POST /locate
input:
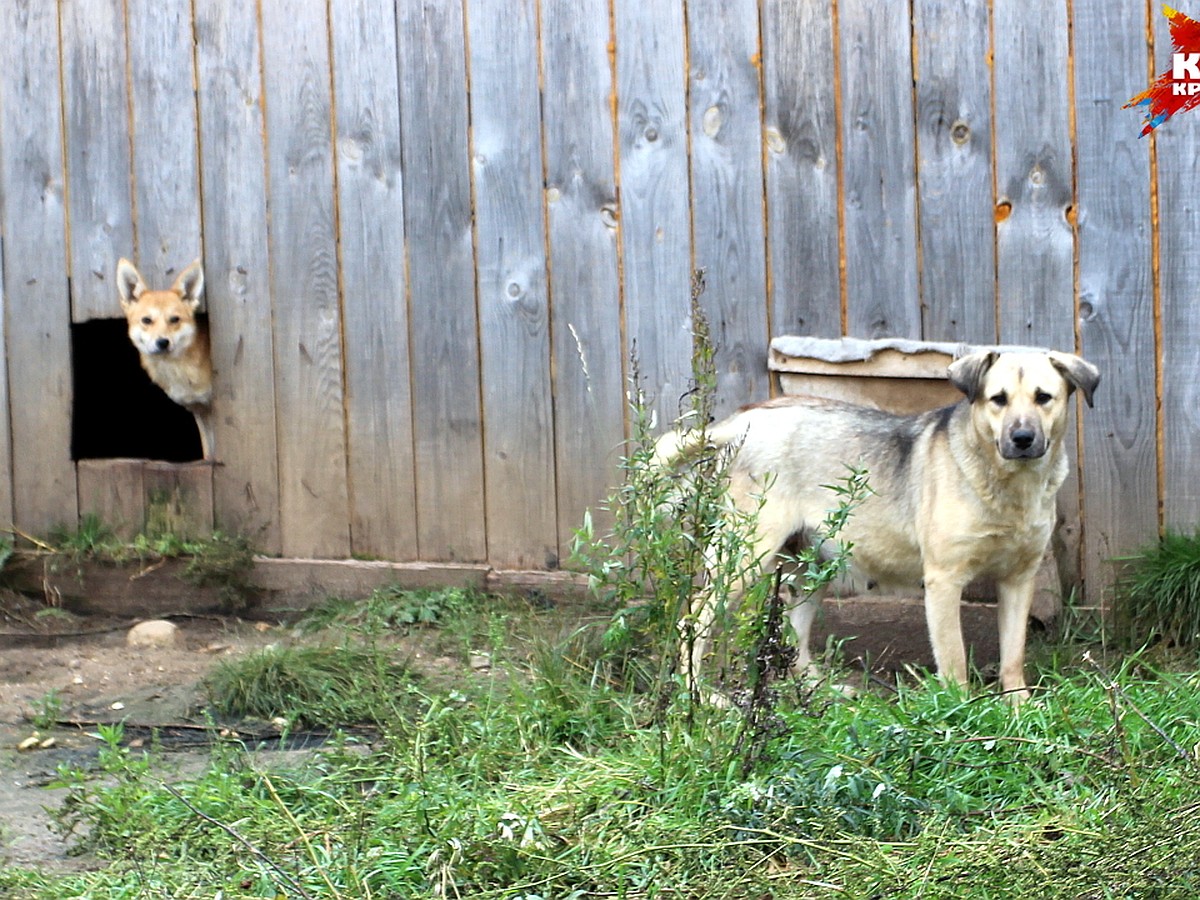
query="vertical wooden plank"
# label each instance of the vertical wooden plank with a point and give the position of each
(38, 340)
(313, 491)
(6, 470)
(371, 241)
(1034, 237)
(954, 170)
(589, 388)
(113, 490)
(1035, 241)
(879, 180)
(1178, 168)
(179, 499)
(802, 181)
(514, 340)
(165, 175)
(653, 183)
(447, 440)
(237, 271)
(727, 182)
(98, 170)
(1116, 294)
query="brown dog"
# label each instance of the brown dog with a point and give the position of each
(172, 344)
(955, 494)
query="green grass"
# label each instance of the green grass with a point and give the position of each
(1158, 593)
(554, 783)
(311, 686)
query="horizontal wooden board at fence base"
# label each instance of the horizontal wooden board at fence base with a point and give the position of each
(276, 587)
(90, 587)
(298, 583)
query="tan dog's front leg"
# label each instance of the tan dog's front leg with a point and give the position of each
(1015, 597)
(942, 598)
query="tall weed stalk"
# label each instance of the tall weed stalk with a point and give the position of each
(677, 542)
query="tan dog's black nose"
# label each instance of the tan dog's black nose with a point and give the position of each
(1023, 438)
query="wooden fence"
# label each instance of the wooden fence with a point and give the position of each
(434, 230)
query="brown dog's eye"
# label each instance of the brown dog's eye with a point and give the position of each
(1041, 398)
(1000, 399)
(174, 320)
(146, 320)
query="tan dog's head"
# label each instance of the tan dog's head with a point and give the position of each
(1019, 400)
(161, 323)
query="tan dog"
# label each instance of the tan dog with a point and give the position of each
(955, 494)
(172, 344)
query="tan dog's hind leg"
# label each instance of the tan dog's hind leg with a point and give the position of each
(943, 595)
(696, 630)
(1015, 597)
(801, 616)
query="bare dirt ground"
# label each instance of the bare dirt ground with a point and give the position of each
(79, 671)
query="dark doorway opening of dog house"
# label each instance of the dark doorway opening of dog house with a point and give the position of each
(119, 411)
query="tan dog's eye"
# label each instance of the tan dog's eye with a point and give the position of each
(1000, 399)
(146, 320)
(174, 320)
(1041, 398)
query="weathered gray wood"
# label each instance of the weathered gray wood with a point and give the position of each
(447, 430)
(653, 182)
(114, 492)
(313, 491)
(33, 225)
(1178, 188)
(799, 103)
(727, 192)
(514, 340)
(581, 209)
(879, 181)
(97, 136)
(374, 306)
(237, 271)
(179, 499)
(166, 179)
(290, 584)
(6, 470)
(1116, 294)
(954, 171)
(1035, 240)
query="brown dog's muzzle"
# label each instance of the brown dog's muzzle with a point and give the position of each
(1023, 439)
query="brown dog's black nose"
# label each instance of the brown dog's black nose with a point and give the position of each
(162, 343)
(1023, 438)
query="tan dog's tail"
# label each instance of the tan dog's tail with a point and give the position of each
(675, 447)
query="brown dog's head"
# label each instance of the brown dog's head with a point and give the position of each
(1019, 400)
(161, 323)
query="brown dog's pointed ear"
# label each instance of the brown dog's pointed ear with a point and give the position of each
(190, 284)
(129, 282)
(967, 373)
(1078, 372)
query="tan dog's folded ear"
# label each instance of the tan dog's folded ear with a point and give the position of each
(1078, 372)
(129, 283)
(967, 373)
